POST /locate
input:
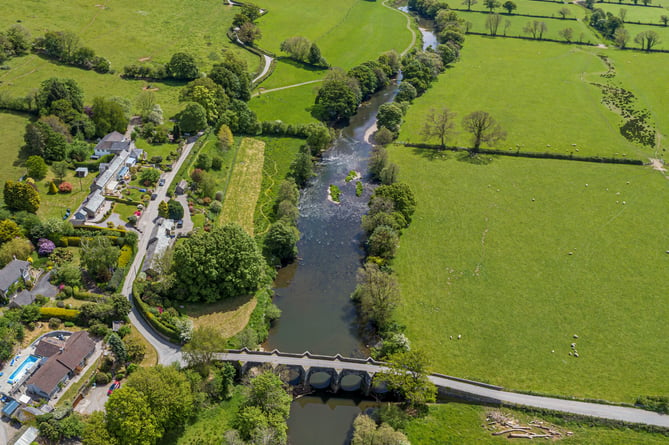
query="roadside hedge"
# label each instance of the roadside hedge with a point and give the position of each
(159, 326)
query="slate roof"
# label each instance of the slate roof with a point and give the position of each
(11, 273)
(49, 346)
(23, 298)
(78, 346)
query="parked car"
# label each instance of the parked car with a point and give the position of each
(180, 223)
(154, 196)
(115, 385)
(161, 182)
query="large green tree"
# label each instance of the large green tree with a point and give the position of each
(401, 195)
(108, 116)
(407, 375)
(281, 241)
(130, 419)
(99, 256)
(207, 93)
(193, 118)
(36, 167)
(21, 196)
(54, 89)
(378, 294)
(338, 98)
(182, 66)
(216, 265)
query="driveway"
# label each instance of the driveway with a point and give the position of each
(94, 401)
(43, 287)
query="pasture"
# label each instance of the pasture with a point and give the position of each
(456, 423)
(517, 23)
(12, 128)
(519, 255)
(638, 13)
(348, 32)
(290, 105)
(662, 32)
(540, 92)
(125, 31)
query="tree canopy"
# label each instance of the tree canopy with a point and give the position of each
(216, 265)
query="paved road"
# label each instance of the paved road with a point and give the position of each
(267, 60)
(631, 415)
(167, 352)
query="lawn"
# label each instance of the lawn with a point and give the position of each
(152, 150)
(55, 205)
(279, 155)
(289, 72)
(337, 27)
(540, 93)
(151, 355)
(288, 105)
(243, 189)
(12, 128)
(456, 423)
(520, 255)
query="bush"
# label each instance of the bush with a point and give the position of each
(65, 187)
(54, 323)
(63, 314)
(102, 378)
(216, 207)
(45, 247)
(125, 256)
(68, 324)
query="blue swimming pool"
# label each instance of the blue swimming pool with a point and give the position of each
(23, 369)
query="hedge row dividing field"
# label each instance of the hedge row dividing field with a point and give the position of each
(520, 255)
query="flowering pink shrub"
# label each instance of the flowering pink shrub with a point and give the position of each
(45, 247)
(65, 187)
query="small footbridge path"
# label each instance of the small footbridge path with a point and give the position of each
(339, 367)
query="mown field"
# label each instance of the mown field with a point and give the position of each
(540, 93)
(519, 255)
(290, 105)
(348, 32)
(456, 423)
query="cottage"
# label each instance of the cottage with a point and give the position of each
(161, 239)
(93, 203)
(113, 143)
(23, 298)
(60, 367)
(111, 171)
(11, 274)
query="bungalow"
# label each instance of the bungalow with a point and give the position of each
(60, 367)
(11, 274)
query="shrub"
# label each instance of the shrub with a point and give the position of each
(102, 378)
(54, 323)
(125, 256)
(68, 324)
(45, 247)
(216, 207)
(65, 187)
(63, 314)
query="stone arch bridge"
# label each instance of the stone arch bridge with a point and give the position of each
(337, 373)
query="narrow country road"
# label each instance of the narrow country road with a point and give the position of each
(489, 395)
(167, 352)
(286, 87)
(267, 60)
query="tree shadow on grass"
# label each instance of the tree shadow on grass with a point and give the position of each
(476, 159)
(433, 154)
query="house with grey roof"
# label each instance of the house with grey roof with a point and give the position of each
(61, 366)
(93, 203)
(13, 273)
(112, 143)
(161, 238)
(23, 298)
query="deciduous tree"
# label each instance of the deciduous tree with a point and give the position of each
(59, 169)
(99, 256)
(647, 40)
(182, 66)
(129, 418)
(378, 295)
(509, 6)
(621, 37)
(408, 377)
(492, 22)
(36, 167)
(439, 124)
(564, 12)
(483, 128)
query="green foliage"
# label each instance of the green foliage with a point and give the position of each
(130, 419)
(149, 176)
(182, 66)
(288, 191)
(9, 230)
(335, 193)
(390, 116)
(63, 314)
(193, 118)
(216, 265)
(36, 167)
(204, 342)
(118, 348)
(358, 188)
(43, 140)
(59, 169)
(21, 196)
(225, 138)
(175, 210)
(163, 210)
(658, 404)
(68, 273)
(99, 257)
(408, 377)
(20, 248)
(281, 241)
(55, 89)
(365, 432)
(207, 93)
(108, 116)
(378, 295)
(338, 98)
(401, 196)
(302, 168)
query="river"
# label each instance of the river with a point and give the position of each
(314, 292)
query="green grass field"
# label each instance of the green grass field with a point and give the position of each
(540, 93)
(530, 7)
(581, 33)
(339, 28)
(279, 155)
(289, 72)
(519, 255)
(662, 31)
(456, 423)
(635, 13)
(288, 105)
(125, 31)
(12, 129)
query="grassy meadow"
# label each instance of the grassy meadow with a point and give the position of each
(290, 105)
(339, 28)
(518, 255)
(455, 423)
(540, 93)
(638, 13)
(243, 189)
